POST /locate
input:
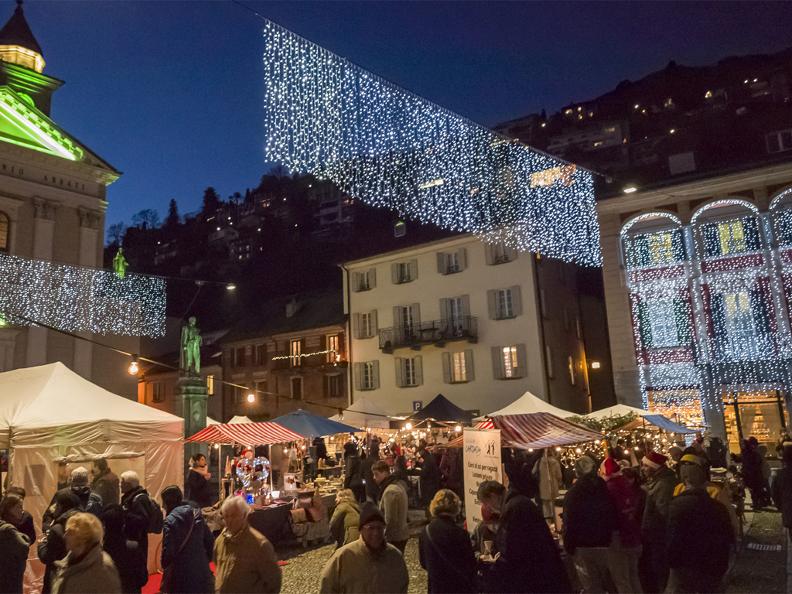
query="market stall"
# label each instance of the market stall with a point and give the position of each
(529, 403)
(364, 414)
(443, 410)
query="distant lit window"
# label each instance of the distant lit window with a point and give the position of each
(210, 385)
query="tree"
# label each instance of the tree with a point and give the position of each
(146, 219)
(115, 233)
(172, 220)
(211, 202)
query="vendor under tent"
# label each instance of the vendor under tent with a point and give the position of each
(534, 431)
(53, 420)
(617, 410)
(658, 421)
(441, 409)
(364, 414)
(529, 403)
(309, 425)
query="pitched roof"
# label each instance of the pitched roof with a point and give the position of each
(17, 32)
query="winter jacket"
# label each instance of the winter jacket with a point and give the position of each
(27, 528)
(629, 500)
(13, 558)
(353, 473)
(445, 553)
(89, 502)
(246, 563)
(590, 517)
(548, 469)
(659, 492)
(699, 533)
(186, 554)
(344, 523)
(529, 557)
(122, 552)
(52, 548)
(136, 523)
(718, 493)
(106, 486)
(782, 495)
(356, 569)
(372, 490)
(393, 504)
(93, 574)
(198, 490)
(429, 477)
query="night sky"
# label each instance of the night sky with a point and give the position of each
(170, 93)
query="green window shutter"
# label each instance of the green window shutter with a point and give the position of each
(718, 313)
(643, 324)
(711, 240)
(678, 245)
(751, 232)
(760, 311)
(682, 319)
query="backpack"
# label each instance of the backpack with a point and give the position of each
(154, 511)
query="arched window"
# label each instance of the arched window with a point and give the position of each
(5, 232)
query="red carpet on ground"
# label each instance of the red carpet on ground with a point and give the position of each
(153, 585)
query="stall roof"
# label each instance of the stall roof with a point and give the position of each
(364, 414)
(310, 425)
(617, 410)
(530, 403)
(661, 422)
(442, 409)
(534, 431)
(245, 433)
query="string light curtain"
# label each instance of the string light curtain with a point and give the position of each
(390, 148)
(79, 299)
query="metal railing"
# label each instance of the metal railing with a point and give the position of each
(434, 331)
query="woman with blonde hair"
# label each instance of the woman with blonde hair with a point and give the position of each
(444, 547)
(86, 568)
(344, 523)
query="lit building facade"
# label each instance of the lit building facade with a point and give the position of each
(698, 281)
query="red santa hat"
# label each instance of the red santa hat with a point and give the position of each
(654, 460)
(609, 468)
(245, 451)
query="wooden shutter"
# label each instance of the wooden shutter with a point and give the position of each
(374, 326)
(395, 273)
(398, 363)
(489, 253)
(418, 370)
(447, 376)
(469, 365)
(441, 262)
(522, 361)
(497, 362)
(356, 326)
(397, 318)
(462, 257)
(357, 371)
(516, 296)
(375, 375)
(492, 304)
(445, 310)
(415, 311)
(412, 268)
(372, 278)
(466, 305)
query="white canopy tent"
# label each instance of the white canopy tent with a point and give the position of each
(530, 403)
(617, 410)
(364, 414)
(49, 414)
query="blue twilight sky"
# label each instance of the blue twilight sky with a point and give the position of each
(171, 92)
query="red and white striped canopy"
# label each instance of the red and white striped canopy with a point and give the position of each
(245, 433)
(534, 431)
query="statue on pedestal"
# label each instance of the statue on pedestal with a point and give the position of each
(190, 354)
(120, 263)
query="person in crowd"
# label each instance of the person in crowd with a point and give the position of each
(90, 502)
(782, 487)
(86, 569)
(52, 546)
(714, 490)
(590, 520)
(675, 453)
(429, 476)
(105, 483)
(444, 548)
(13, 545)
(393, 503)
(368, 565)
(346, 517)
(700, 536)
(197, 487)
(22, 521)
(353, 472)
(121, 550)
(660, 484)
(628, 498)
(528, 559)
(548, 472)
(245, 559)
(367, 460)
(717, 452)
(138, 507)
(187, 546)
(63, 475)
(752, 472)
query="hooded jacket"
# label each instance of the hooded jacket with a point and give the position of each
(590, 517)
(344, 523)
(393, 504)
(93, 574)
(245, 563)
(186, 554)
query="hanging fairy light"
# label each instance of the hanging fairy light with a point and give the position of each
(391, 148)
(134, 367)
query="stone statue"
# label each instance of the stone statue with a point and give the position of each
(190, 359)
(120, 263)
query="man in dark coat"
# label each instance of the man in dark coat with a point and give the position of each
(105, 483)
(372, 490)
(700, 536)
(590, 519)
(782, 487)
(52, 547)
(429, 477)
(136, 505)
(353, 475)
(660, 484)
(120, 549)
(187, 546)
(13, 557)
(529, 558)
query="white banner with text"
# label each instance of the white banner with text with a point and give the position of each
(482, 462)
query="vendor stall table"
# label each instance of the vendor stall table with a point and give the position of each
(273, 521)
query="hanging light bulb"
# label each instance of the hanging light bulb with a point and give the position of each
(251, 397)
(134, 367)
(458, 429)
(408, 426)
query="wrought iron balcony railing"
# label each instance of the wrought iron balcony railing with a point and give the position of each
(433, 332)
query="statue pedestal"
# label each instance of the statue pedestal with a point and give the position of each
(193, 393)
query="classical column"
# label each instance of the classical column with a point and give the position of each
(43, 235)
(90, 222)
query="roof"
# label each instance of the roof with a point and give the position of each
(310, 425)
(17, 32)
(314, 310)
(534, 431)
(442, 409)
(530, 403)
(245, 433)
(617, 410)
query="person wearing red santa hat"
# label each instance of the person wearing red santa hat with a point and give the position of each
(660, 484)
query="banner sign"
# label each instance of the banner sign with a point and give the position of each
(481, 459)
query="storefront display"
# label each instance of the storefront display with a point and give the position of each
(760, 414)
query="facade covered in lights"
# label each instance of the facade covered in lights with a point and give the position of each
(698, 285)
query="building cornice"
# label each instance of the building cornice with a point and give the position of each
(420, 248)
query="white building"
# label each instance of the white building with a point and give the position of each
(467, 320)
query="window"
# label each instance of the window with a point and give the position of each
(571, 368)
(366, 375)
(296, 388)
(505, 303)
(261, 354)
(210, 387)
(779, 141)
(511, 366)
(661, 248)
(332, 386)
(498, 253)
(365, 280)
(158, 392)
(366, 324)
(509, 361)
(452, 262)
(664, 322)
(333, 345)
(408, 372)
(406, 319)
(455, 315)
(731, 237)
(655, 249)
(261, 388)
(5, 229)
(404, 272)
(458, 367)
(295, 352)
(239, 360)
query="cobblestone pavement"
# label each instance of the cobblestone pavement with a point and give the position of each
(302, 572)
(761, 570)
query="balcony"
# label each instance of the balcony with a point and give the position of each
(321, 362)
(436, 332)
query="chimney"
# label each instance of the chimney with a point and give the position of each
(292, 307)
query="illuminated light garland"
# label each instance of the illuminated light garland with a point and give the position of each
(718, 318)
(304, 355)
(390, 148)
(78, 299)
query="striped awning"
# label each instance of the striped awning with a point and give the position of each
(245, 433)
(534, 431)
